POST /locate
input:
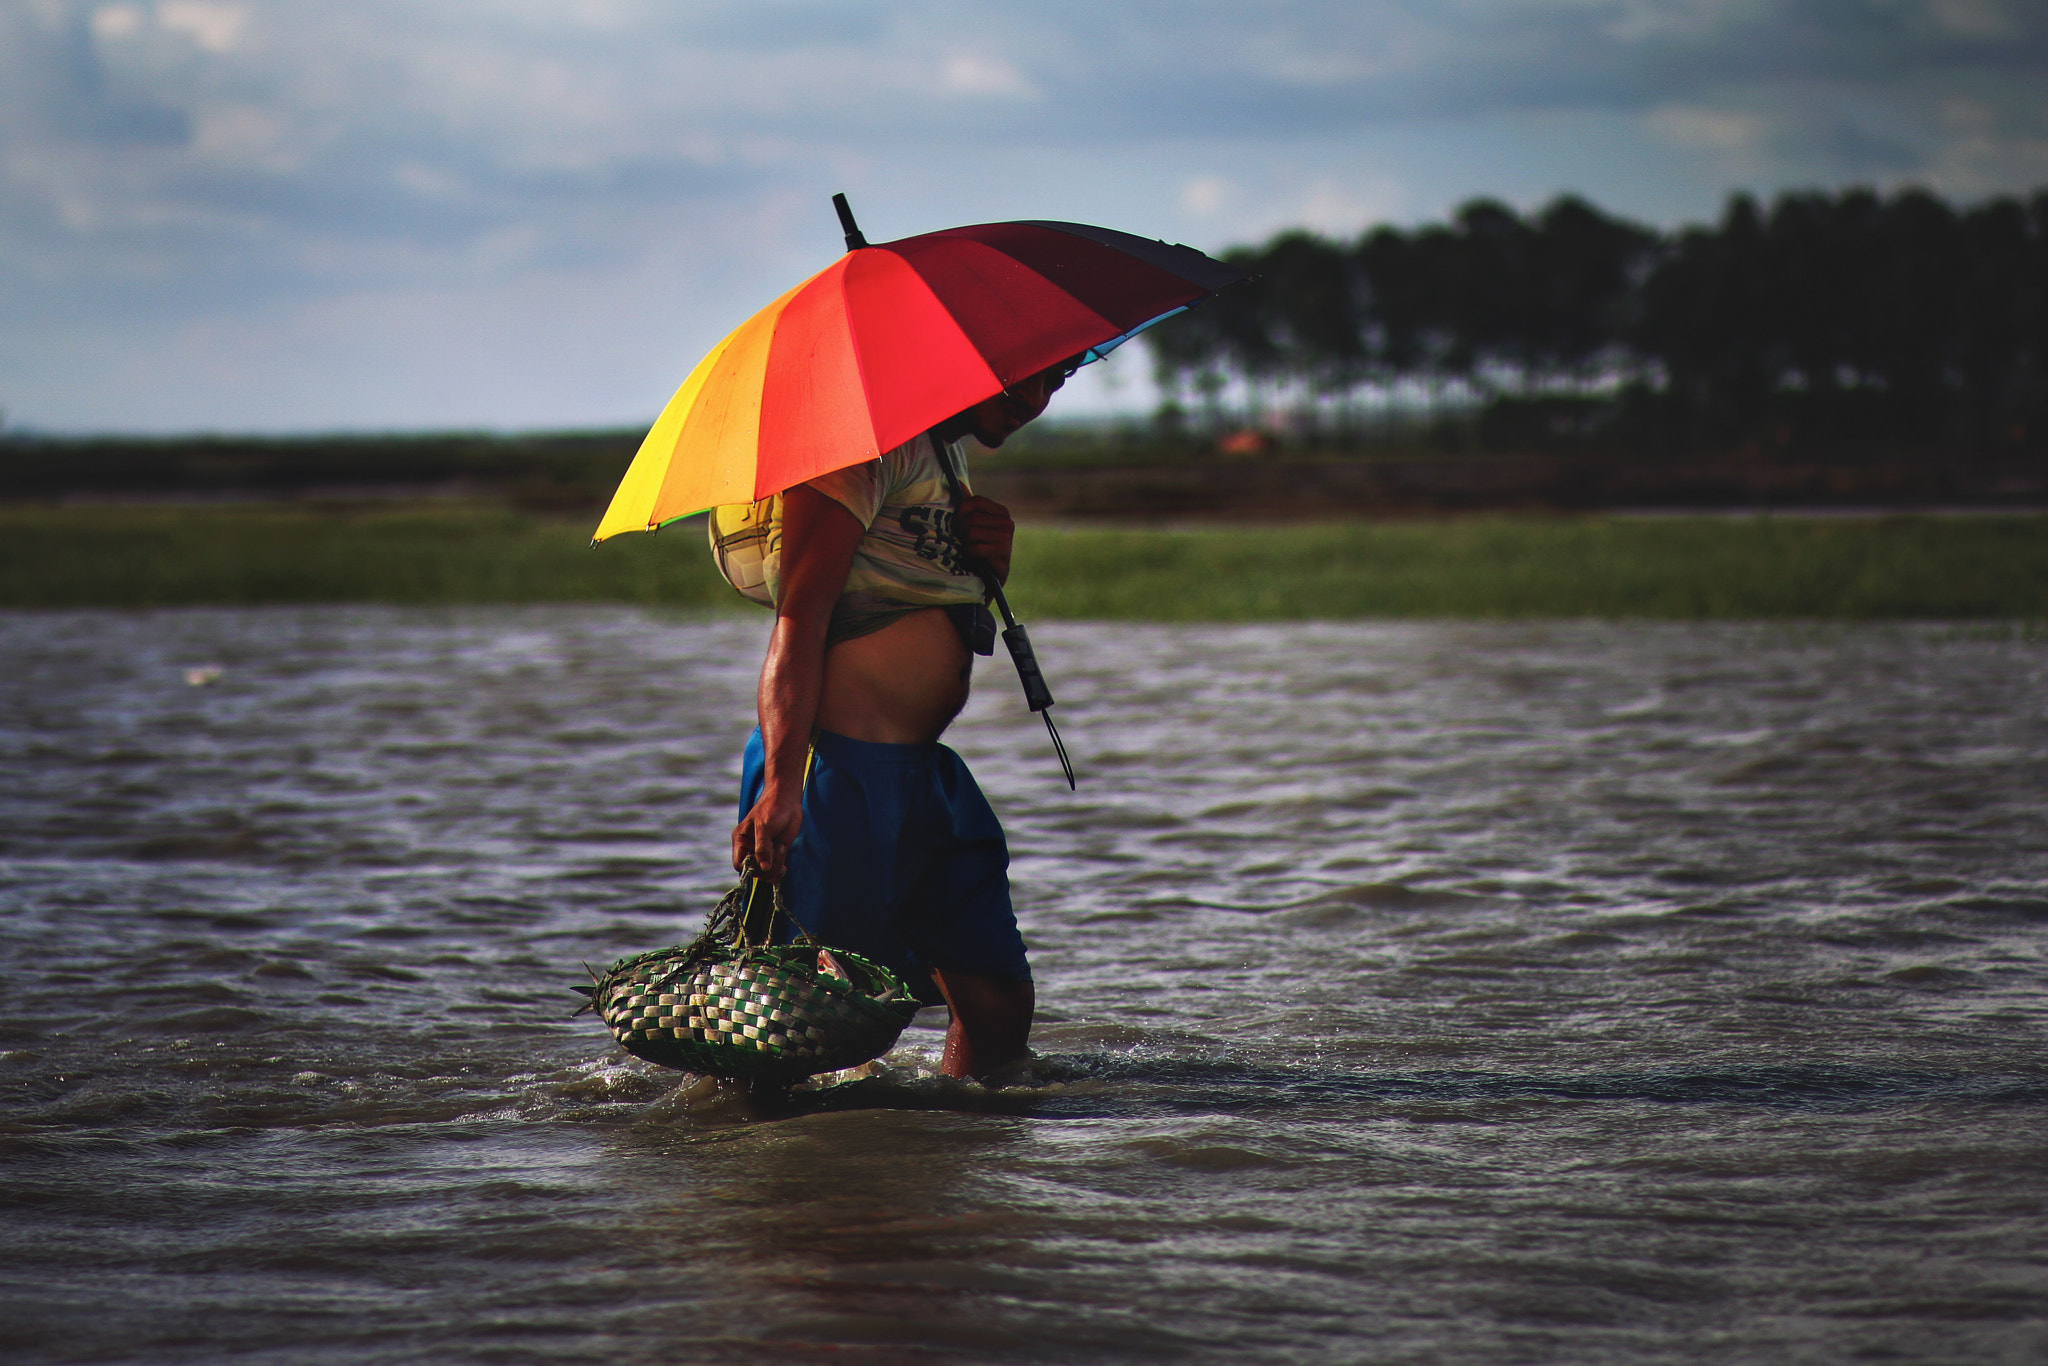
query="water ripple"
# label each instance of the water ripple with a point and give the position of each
(1457, 993)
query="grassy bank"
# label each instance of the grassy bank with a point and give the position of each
(130, 556)
(1676, 568)
(1893, 567)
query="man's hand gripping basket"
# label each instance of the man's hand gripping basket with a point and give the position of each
(732, 1005)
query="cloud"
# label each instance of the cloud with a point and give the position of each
(1975, 18)
(1344, 208)
(214, 28)
(967, 74)
(115, 22)
(1203, 195)
(323, 182)
(1719, 130)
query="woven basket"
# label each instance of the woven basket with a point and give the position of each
(731, 1008)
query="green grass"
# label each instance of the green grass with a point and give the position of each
(1683, 568)
(126, 556)
(1678, 568)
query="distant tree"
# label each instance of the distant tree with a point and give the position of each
(1403, 323)
(1704, 319)
(1190, 351)
(1916, 308)
(1315, 321)
(1830, 320)
(1588, 269)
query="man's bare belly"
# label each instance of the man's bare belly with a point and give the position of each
(901, 685)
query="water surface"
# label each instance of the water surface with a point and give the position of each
(1431, 993)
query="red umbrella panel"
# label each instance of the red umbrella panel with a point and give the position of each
(886, 342)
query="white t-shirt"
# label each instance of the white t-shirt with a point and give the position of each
(910, 558)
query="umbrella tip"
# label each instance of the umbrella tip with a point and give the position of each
(854, 240)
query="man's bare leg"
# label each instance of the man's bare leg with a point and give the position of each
(991, 1022)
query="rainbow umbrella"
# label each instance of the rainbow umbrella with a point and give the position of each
(889, 341)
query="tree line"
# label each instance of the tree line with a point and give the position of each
(1841, 324)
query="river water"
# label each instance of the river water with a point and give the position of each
(1410, 993)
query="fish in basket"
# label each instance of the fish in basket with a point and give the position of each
(731, 1004)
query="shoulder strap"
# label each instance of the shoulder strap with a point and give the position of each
(943, 452)
(1037, 695)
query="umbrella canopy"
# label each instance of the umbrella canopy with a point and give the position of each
(888, 341)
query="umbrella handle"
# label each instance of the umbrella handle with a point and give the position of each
(1037, 695)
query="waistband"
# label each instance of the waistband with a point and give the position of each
(841, 749)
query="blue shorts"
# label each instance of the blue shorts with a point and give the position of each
(899, 859)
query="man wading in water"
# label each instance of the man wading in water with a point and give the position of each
(878, 616)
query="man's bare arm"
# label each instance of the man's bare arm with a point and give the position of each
(819, 538)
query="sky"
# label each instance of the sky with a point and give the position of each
(317, 215)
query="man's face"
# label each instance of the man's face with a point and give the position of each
(992, 420)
